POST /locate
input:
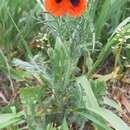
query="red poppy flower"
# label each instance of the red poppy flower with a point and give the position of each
(61, 7)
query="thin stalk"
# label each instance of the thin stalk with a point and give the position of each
(108, 49)
(22, 38)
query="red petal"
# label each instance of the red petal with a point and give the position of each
(77, 10)
(54, 8)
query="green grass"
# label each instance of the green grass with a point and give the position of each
(49, 63)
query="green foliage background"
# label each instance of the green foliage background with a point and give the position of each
(40, 56)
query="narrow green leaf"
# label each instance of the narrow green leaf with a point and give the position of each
(93, 117)
(9, 119)
(112, 103)
(110, 117)
(64, 125)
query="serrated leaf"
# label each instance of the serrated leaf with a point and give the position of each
(88, 96)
